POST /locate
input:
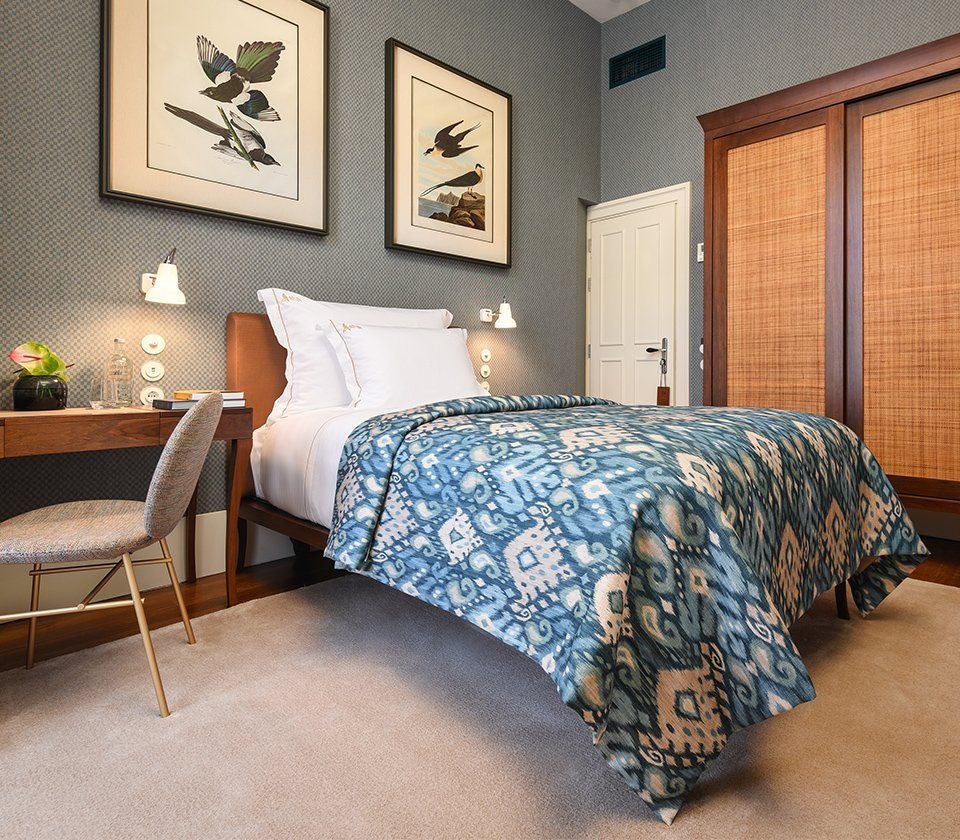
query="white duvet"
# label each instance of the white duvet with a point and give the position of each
(295, 460)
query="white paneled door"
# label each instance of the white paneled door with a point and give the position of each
(638, 295)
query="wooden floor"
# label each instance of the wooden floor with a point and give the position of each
(68, 633)
(943, 565)
(58, 635)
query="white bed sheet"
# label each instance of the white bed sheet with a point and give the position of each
(295, 460)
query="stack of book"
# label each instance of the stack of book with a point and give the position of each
(183, 400)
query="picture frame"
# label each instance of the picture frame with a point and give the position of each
(219, 107)
(448, 162)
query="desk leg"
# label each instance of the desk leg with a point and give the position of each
(238, 462)
(191, 523)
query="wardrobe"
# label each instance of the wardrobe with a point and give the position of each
(832, 259)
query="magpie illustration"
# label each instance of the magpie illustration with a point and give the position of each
(238, 139)
(448, 144)
(256, 63)
(468, 179)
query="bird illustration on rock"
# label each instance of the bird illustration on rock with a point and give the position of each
(238, 139)
(256, 62)
(468, 179)
(447, 144)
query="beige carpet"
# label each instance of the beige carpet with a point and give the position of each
(350, 710)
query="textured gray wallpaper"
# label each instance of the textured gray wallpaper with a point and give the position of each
(720, 53)
(70, 261)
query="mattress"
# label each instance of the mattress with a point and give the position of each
(295, 460)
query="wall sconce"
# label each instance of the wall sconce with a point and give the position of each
(504, 317)
(164, 286)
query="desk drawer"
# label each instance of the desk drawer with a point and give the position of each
(51, 434)
(235, 424)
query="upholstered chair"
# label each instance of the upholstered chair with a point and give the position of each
(91, 535)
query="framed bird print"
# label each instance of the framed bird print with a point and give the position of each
(448, 161)
(218, 106)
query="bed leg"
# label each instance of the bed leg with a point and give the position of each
(241, 544)
(300, 549)
(843, 610)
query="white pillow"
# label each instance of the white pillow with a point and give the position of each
(402, 367)
(314, 377)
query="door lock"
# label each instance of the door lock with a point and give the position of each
(662, 350)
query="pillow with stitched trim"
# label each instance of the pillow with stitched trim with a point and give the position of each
(314, 377)
(402, 367)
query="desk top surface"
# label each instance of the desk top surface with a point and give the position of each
(99, 412)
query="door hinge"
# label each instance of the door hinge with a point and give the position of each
(589, 351)
(589, 246)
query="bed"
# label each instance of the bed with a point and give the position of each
(650, 560)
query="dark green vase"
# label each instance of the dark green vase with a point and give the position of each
(39, 393)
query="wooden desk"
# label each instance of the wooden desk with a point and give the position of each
(24, 433)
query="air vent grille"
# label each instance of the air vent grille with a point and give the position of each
(640, 61)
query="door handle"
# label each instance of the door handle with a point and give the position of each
(662, 350)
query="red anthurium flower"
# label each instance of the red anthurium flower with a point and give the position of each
(19, 356)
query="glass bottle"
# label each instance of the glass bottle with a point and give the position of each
(118, 378)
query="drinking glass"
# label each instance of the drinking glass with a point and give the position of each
(96, 392)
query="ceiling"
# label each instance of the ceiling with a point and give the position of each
(603, 10)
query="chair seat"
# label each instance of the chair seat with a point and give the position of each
(74, 532)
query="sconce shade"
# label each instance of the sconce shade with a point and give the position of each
(505, 319)
(164, 286)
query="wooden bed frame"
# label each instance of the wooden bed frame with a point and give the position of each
(256, 365)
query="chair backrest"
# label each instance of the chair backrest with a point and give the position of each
(178, 470)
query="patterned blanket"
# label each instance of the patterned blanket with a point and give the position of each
(651, 560)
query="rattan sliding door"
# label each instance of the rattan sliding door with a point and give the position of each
(832, 275)
(778, 265)
(903, 363)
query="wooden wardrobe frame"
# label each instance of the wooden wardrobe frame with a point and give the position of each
(838, 102)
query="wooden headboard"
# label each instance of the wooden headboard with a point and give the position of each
(255, 362)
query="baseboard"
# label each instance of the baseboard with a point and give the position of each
(64, 590)
(262, 547)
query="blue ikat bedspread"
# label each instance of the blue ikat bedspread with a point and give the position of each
(651, 560)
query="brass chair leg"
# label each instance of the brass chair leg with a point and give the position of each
(171, 570)
(145, 634)
(34, 606)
